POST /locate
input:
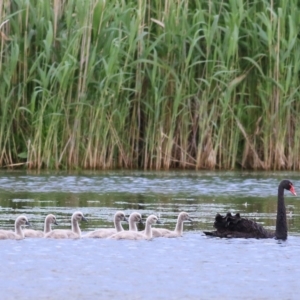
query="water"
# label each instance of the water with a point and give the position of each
(191, 267)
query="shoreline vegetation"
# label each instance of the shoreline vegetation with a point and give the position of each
(98, 84)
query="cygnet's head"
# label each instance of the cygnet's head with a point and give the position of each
(152, 219)
(184, 216)
(22, 221)
(136, 218)
(78, 216)
(120, 216)
(51, 219)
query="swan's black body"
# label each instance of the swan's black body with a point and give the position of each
(231, 226)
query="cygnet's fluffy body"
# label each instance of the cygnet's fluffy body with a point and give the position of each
(49, 220)
(135, 235)
(75, 233)
(18, 233)
(106, 232)
(162, 232)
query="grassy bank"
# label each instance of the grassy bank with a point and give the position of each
(150, 84)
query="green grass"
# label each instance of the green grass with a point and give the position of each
(98, 84)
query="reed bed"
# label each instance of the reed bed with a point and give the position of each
(97, 84)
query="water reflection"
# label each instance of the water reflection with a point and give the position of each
(99, 195)
(165, 183)
(192, 267)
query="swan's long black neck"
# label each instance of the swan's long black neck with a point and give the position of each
(281, 225)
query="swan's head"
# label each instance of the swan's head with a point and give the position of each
(288, 185)
(184, 217)
(136, 218)
(78, 216)
(120, 216)
(51, 219)
(22, 221)
(152, 219)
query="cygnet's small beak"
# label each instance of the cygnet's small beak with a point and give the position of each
(55, 223)
(125, 219)
(27, 223)
(141, 222)
(158, 222)
(189, 219)
(84, 219)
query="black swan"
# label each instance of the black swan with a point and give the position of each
(231, 226)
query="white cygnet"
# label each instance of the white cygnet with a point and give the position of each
(75, 233)
(135, 235)
(18, 233)
(106, 232)
(162, 232)
(49, 220)
(134, 218)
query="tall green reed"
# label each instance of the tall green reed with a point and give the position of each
(149, 84)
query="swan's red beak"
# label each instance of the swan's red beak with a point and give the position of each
(292, 190)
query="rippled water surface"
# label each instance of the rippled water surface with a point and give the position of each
(191, 267)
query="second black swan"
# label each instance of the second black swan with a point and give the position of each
(230, 226)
